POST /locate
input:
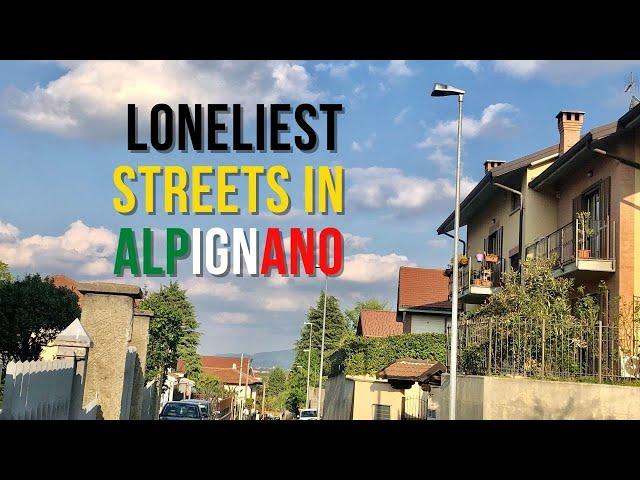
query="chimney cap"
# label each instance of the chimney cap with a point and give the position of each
(568, 111)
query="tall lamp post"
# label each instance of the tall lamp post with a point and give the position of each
(441, 90)
(324, 324)
(306, 404)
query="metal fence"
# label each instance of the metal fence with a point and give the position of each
(570, 242)
(415, 408)
(539, 348)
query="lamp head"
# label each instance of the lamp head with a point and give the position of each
(442, 90)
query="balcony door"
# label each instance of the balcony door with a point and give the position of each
(596, 201)
(591, 204)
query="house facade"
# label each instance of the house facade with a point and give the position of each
(423, 304)
(576, 201)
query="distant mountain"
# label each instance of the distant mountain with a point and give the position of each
(264, 360)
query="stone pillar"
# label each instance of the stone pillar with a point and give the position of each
(139, 340)
(107, 316)
(74, 342)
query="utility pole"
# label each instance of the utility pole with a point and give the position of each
(264, 389)
(324, 324)
(307, 404)
(240, 385)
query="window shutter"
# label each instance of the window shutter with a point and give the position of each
(576, 207)
(605, 212)
(484, 245)
(499, 242)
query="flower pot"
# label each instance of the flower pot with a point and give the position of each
(584, 253)
(477, 282)
(486, 283)
(463, 262)
(479, 257)
(491, 258)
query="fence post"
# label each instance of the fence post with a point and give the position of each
(490, 346)
(600, 351)
(544, 341)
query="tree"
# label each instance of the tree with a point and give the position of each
(337, 329)
(5, 273)
(210, 387)
(172, 333)
(353, 315)
(33, 312)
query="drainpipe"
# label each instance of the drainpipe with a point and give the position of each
(521, 226)
(464, 244)
(620, 159)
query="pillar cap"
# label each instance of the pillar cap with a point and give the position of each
(73, 336)
(110, 289)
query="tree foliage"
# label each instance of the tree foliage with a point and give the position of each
(336, 330)
(32, 312)
(353, 315)
(367, 356)
(210, 387)
(5, 273)
(173, 333)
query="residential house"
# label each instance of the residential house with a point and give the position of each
(235, 373)
(530, 207)
(423, 300)
(378, 323)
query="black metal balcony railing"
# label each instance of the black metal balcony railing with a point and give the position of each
(570, 242)
(483, 274)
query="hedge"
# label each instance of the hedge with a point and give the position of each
(366, 356)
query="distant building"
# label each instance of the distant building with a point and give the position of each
(60, 280)
(423, 300)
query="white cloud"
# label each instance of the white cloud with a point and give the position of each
(438, 243)
(399, 118)
(8, 231)
(380, 187)
(358, 90)
(441, 159)
(495, 119)
(569, 72)
(372, 268)
(280, 303)
(473, 65)
(231, 318)
(205, 287)
(339, 70)
(81, 249)
(90, 98)
(394, 69)
(355, 241)
(366, 144)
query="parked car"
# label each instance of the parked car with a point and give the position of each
(308, 414)
(181, 410)
(205, 406)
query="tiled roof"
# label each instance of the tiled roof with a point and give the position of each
(411, 369)
(64, 281)
(378, 323)
(423, 289)
(226, 369)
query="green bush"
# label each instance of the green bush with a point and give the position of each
(366, 356)
(472, 359)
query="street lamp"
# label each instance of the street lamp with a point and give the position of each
(308, 361)
(441, 90)
(324, 324)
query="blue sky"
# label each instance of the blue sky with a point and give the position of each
(63, 130)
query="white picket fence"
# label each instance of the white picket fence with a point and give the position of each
(38, 390)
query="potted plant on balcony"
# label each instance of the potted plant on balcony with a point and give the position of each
(491, 257)
(448, 272)
(584, 232)
(463, 261)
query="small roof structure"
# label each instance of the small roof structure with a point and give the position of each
(405, 372)
(73, 336)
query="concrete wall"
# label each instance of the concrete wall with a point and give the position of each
(139, 340)
(507, 398)
(540, 218)
(338, 398)
(107, 316)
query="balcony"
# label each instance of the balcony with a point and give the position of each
(576, 253)
(477, 282)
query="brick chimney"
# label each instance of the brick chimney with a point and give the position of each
(569, 125)
(491, 164)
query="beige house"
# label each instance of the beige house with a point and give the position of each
(530, 207)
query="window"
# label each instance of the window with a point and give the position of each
(381, 412)
(514, 261)
(492, 243)
(515, 202)
(431, 414)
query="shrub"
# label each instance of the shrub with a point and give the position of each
(366, 356)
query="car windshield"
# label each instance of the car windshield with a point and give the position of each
(308, 413)
(182, 410)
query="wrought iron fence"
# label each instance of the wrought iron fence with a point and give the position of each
(552, 349)
(414, 408)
